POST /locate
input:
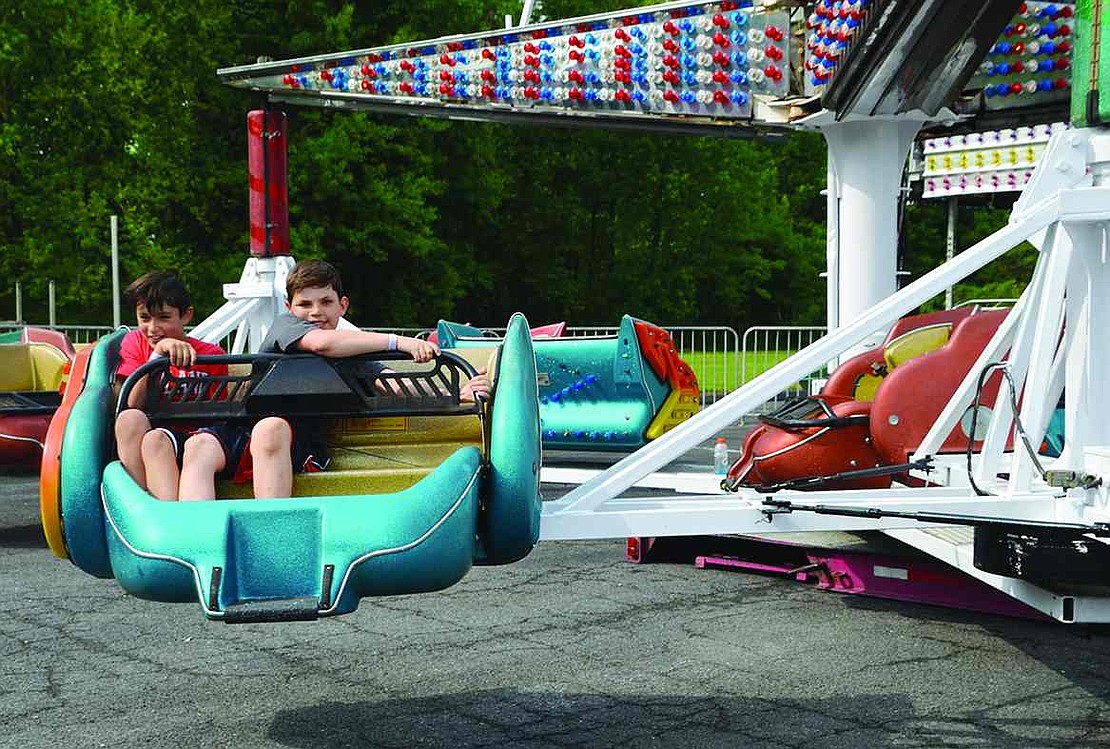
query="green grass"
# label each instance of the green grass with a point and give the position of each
(720, 372)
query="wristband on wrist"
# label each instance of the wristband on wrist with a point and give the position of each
(392, 342)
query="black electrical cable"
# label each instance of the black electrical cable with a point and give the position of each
(1004, 366)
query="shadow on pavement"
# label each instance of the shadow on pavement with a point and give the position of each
(524, 719)
(505, 718)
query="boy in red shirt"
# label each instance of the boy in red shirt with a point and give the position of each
(163, 308)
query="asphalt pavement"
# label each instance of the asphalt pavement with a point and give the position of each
(572, 647)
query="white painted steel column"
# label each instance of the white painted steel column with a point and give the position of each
(832, 249)
(1088, 363)
(866, 160)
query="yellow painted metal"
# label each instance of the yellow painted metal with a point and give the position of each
(679, 406)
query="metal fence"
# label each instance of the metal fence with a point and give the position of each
(712, 351)
(764, 346)
(722, 359)
(78, 334)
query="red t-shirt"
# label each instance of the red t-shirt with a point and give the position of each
(135, 351)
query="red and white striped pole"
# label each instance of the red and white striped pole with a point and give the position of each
(269, 195)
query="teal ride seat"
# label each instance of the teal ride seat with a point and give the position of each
(598, 393)
(247, 560)
(294, 558)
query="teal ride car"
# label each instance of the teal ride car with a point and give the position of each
(422, 485)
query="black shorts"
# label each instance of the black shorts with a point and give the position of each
(234, 440)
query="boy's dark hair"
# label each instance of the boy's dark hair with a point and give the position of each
(156, 290)
(313, 274)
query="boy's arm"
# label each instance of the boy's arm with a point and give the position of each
(180, 354)
(337, 344)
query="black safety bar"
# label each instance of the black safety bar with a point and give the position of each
(303, 385)
(787, 417)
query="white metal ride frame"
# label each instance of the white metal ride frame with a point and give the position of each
(1050, 343)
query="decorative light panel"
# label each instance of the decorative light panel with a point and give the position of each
(1031, 62)
(830, 30)
(993, 161)
(706, 59)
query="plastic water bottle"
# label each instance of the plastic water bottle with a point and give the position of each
(720, 457)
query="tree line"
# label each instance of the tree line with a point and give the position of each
(113, 107)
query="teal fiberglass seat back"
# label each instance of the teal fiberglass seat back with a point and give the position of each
(596, 393)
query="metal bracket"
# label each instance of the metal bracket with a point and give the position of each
(1072, 480)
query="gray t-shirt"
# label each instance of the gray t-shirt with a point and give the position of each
(284, 333)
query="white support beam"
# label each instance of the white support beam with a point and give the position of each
(705, 424)
(1047, 319)
(1060, 606)
(964, 395)
(251, 305)
(999, 427)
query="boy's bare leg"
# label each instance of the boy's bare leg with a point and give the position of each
(204, 457)
(159, 458)
(271, 445)
(131, 426)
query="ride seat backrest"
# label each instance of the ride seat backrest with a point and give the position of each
(480, 356)
(30, 367)
(916, 342)
(17, 371)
